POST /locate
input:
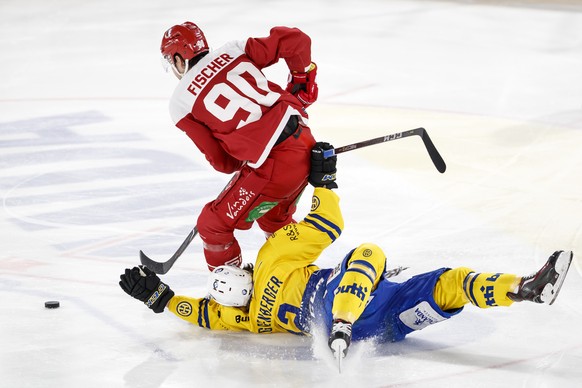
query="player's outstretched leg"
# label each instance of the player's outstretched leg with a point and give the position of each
(544, 285)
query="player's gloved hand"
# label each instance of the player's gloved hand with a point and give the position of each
(323, 170)
(141, 283)
(303, 85)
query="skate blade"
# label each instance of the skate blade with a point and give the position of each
(338, 348)
(550, 292)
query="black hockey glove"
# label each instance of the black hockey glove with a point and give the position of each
(141, 283)
(323, 170)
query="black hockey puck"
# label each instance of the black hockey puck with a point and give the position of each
(52, 304)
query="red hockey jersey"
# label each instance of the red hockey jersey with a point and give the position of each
(226, 105)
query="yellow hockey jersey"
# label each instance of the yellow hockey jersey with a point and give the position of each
(282, 270)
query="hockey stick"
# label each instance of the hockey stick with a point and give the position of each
(436, 158)
(164, 267)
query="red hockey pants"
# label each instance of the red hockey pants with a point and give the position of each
(267, 194)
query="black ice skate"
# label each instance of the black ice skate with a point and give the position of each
(340, 339)
(544, 285)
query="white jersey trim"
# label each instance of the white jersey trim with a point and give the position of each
(288, 113)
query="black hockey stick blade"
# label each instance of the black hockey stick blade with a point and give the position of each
(436, 158)
(163, 267)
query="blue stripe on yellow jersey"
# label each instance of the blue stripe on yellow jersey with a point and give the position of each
(324, 225)
(204, 308)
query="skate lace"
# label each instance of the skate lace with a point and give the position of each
(528, 277)
(343, 327)
(524, 289)
(527, 284)
(537, 277)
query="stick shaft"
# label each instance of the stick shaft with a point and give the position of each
(429, 145)
(164, 267)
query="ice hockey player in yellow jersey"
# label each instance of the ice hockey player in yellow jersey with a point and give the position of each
(287, 293)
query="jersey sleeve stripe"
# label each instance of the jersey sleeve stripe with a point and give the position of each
(203, 312)
(326, 222)
(321, 228)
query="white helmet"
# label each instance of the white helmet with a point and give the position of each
(230, 285)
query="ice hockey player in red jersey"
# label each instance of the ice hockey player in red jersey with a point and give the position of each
(244, 124)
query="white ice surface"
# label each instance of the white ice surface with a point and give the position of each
(92, 170)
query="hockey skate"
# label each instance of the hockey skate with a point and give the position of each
(544, 285)
(339, 340)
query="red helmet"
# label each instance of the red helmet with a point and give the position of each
(185, 39)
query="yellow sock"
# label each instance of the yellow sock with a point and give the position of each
(489, 289)
(362, 275)
(448, 291)
(457, 287)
